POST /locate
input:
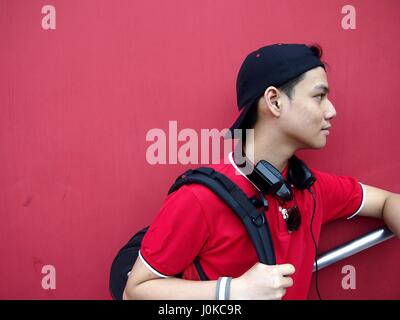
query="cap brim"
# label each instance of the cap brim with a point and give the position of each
(239, 122)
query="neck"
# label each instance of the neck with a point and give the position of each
(269, 147)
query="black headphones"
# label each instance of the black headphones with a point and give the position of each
(268, 179)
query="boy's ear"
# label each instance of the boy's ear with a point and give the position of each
(271, 97)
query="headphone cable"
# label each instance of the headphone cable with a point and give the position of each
(315, 244)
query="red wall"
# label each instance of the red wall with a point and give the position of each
(76, 104)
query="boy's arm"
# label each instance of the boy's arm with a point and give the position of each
(260, 282)
(145, 285)
(384, 205)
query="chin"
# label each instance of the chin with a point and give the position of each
(313, 143)
(321, 145)
(316, 145)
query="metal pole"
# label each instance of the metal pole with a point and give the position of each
(350, 248)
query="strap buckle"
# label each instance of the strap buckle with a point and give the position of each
(256, 221)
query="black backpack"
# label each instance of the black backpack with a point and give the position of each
(244, 207)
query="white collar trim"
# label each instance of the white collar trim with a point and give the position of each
(238, 170)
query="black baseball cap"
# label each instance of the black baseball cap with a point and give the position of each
(272, 65)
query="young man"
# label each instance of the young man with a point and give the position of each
(283, 91)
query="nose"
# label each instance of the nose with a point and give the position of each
(330, 111)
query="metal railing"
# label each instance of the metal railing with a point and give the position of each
(350, 248)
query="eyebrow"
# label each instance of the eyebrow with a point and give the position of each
(323, 87)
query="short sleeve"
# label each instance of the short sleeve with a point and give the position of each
(176, 235)
(341, 196)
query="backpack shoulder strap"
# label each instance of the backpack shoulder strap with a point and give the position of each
(254, 221)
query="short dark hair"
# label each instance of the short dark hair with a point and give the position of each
(287, 88)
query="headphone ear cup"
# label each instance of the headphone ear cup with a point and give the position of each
(299, 175)
(268, 179)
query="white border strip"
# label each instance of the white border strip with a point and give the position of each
(362, 203)
(151, 268)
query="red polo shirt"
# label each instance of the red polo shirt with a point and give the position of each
(194, 222)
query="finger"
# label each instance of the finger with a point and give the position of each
(279, 294)
(286, 269)
(287, 282)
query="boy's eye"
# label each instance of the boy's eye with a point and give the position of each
(320, 96)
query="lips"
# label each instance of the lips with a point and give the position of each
(326, 130)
